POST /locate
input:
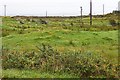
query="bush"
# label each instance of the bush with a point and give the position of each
(47, 59)
(71, 43)
(112, 22)
(21, 31)
(5, 32)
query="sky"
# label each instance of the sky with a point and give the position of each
(55, 7)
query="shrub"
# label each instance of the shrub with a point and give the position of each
(71, 43)
(71, 24)
(112, 22)
(47, 59)
(21, 31)
(5, 32)
(43, 21)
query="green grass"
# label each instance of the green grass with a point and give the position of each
(101, 38)
(15, 73)
(103, 41)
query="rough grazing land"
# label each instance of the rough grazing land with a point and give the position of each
(61, 47)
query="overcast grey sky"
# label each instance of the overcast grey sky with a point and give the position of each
(56, 7)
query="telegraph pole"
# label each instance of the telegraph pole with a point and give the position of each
(46, 13)
(103, 9)
(81, 23)
(81, 12)
(4, 10)
(90, 12)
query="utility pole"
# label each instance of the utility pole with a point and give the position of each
(90, 12)
(4, 10)
(81, 23)
(81, 12)
(103, 9)
(46, 13)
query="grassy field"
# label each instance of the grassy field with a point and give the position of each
(67, 37)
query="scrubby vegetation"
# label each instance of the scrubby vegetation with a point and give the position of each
(47, 59)
(60, 45)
